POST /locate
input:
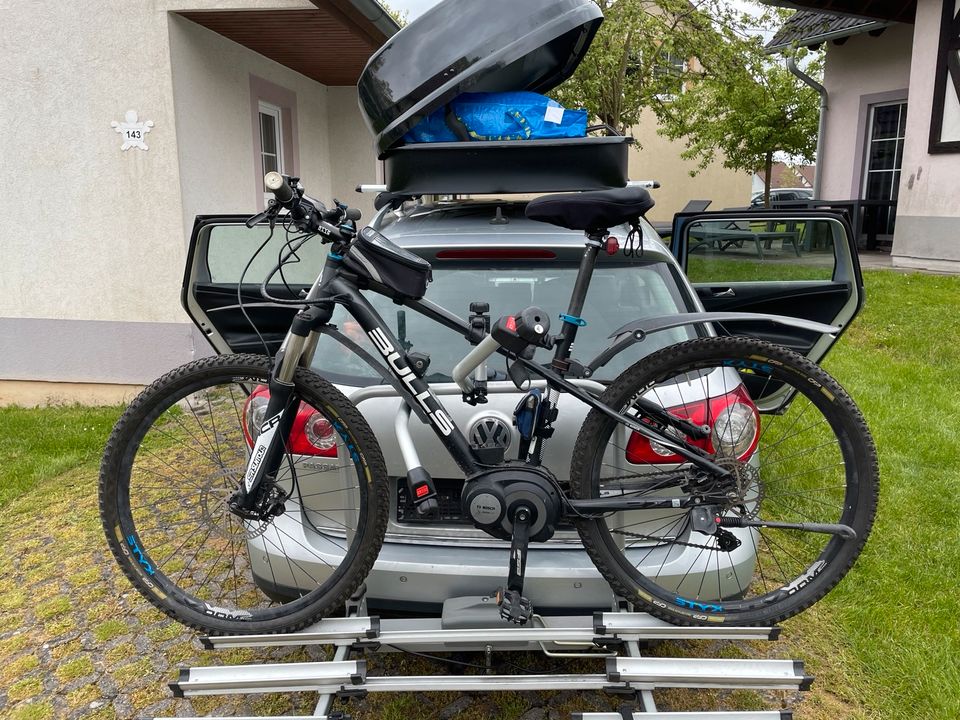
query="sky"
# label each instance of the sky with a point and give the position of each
(416, 7)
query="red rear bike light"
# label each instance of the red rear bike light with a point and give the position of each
(312, 433)
(734, 430)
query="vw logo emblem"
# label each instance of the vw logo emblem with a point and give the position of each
(490, 432)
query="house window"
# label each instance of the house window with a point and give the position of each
(888, 123)
(273, 120)
(271, 142)
(668, 74)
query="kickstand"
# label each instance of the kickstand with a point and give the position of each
(513, 606)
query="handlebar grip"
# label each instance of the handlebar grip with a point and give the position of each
(277, 184)
(353, 214)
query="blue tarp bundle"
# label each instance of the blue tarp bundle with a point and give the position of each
(501, 116)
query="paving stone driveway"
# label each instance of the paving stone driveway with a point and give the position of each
(76, 641)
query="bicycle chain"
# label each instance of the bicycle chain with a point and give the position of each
(661, 541)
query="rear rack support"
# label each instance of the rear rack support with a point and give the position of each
(614, 637)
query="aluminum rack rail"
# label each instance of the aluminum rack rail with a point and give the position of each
(467, 625)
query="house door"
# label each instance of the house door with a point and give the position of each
(881, 181)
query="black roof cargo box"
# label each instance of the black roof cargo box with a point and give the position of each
(490, 46)
(472, 46)
(510, 166)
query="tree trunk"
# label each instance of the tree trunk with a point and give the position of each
(767, 172)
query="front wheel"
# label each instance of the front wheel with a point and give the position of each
(798, 451)
(178, 453)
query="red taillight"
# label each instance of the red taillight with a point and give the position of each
(312, 433)
(734, 423)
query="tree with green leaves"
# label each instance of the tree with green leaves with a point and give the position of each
(748, 117)
(703, 72)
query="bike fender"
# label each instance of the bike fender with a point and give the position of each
(635, 331)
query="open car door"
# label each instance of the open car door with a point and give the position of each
(220, 248)
(799, 263)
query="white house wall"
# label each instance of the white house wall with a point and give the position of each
(92, 240)
(927, 233)
(862, 71)
(94, 243)
(211, 90)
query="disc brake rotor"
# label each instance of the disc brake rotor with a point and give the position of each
(217, 488)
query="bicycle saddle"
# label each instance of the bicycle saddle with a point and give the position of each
(595, 210)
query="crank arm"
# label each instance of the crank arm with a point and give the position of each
(844, 531)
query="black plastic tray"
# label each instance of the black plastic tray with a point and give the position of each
(519, 166)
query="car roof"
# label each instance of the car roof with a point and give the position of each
(490, 223)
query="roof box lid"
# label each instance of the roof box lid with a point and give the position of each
(467, 46)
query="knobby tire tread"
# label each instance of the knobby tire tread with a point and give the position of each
(674, 356)
(360, 433)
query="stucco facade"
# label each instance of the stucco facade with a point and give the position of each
(890, 65)
(96, 239)
(928, 215)
(658, 158)
(864, 70)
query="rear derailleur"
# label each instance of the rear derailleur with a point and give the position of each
(706, 519)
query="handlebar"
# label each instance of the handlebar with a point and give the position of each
(277, 184)
(309, 215)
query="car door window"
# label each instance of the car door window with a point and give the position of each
(759, 250)
(796, 263)
(231, 247)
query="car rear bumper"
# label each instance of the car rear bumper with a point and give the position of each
(410, 575)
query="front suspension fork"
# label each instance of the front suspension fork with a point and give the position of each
(269, 448)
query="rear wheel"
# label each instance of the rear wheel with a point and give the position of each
(181, 449)
(798, 450)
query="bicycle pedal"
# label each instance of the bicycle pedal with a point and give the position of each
(514, 607)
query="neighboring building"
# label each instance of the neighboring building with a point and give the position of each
(658, 158)
(95, 237)
(892, 128)
(785, 175)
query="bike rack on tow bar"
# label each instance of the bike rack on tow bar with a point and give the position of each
(468, 625)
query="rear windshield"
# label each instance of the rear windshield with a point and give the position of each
(618, 294)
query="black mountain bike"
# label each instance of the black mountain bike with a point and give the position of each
(720, 480)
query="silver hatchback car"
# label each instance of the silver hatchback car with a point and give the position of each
(480, 251)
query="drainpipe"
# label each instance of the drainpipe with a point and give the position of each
(822, 91)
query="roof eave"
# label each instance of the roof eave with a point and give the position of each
(868, 26)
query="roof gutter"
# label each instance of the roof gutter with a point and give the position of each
(820, 38)
(822, 91)
(377, 16)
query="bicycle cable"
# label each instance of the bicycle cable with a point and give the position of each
(243, 310)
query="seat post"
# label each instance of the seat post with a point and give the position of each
(572, 320)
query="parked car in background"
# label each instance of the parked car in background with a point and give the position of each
(489, 251)
(780, 195)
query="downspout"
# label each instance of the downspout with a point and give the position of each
(822, 91)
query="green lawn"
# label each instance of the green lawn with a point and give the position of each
(39, 444)
(887, 640)
(893, 630)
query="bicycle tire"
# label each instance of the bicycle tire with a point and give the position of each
(758, 601)
(121, 461)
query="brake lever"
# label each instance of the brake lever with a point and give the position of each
(257, 219)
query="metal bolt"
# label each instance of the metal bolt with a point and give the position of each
(403, 578)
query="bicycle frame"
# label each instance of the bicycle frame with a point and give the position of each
(341, 287)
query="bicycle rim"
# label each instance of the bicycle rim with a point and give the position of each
(185, 457)
(798, 452)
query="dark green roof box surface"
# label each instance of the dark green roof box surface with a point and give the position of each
(471, 46)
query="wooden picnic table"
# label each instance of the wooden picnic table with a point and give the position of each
(724, 238)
